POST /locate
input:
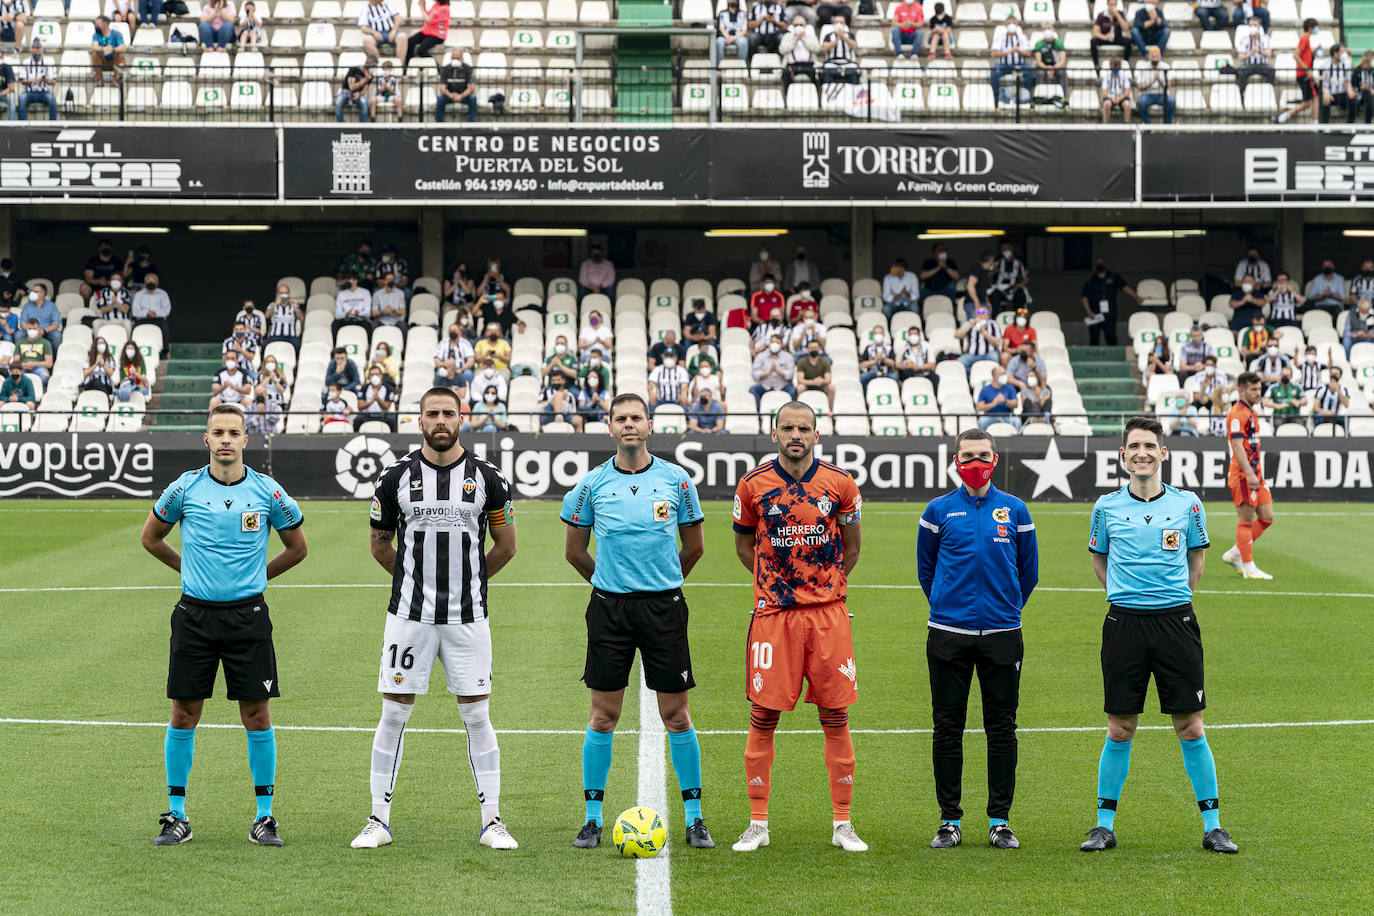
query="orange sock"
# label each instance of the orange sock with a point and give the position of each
(1245, 541)
(758, 759)
(839, 761)
(1257, 527)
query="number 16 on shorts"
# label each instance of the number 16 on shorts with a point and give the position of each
(410, 649)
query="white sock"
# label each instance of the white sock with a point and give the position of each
(485, 756)
(1250, 567)
(386, 755)
(838, 824)
(754, 823)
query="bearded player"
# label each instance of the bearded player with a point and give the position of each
(1245, 478)
(797, 532)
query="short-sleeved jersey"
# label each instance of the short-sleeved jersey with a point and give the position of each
(635, 516)
(1243, 423)
(441, 515)
(224, 531)
(798, 552)
(1146, 543)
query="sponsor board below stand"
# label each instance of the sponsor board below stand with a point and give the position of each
(903, 469)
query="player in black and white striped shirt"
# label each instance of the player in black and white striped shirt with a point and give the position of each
(440, 499)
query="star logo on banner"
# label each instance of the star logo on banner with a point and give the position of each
(1052, 471)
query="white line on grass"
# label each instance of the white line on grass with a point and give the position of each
(653, 885)
(887, 510)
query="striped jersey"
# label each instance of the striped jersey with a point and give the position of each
(975, 342)
(669, 382)
(379, 17)
(1311, 374)
(1284, 306)
(281, 321)
(1362, 287)
(441, 517)
(1327, 399)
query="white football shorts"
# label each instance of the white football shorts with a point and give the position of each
(409, 649)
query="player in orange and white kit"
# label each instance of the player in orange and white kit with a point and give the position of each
(1245, 478)
(797, 532)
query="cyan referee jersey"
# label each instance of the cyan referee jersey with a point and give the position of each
(635, 517)
(224, 531)
(1146, 543)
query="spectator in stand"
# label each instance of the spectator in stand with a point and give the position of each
(1254, 57)
(668, 345)
(1016, 333)
(558, 403)
(1116, 92)
(494, 310)
(106, 50)
(593, 400)
(839, 54)
(272, 385)
(41, 309)
(1331, 401)
(1284, 300)
(360, 264)
(1148, 29)
(595, 274)
(14, 17)
(1272, 364)
(1037, 400)
(388, 303)
(132, 374)
(262, 417)
(1026, 363)
(252, 318)
(1285, 399)
(459, 288)
(1051, 60)
(1337, 87)
(1204, 384)
(1247, 303)
(251, 36)
(352, 306)
(1327, 289)
(907, 18)
(878, 359)
(18, 388)
(561, 363)
(456, 87)
(38, 78)
(1220, 404)
(773, 370)
(732, 32)
(493, 280)
(392, 262)
(380, 24)
(1160, 360)
(807, 330)
(1154, 88)
(705, 377)
(99, 373)
(766, 264)
(1254, 337)
(1256, 267)
(342, 371)
(138, 263)
(765, 332)
(488, 413)
(1359, 327)
(762, 303)
(9, 325)
(800, 272)
(1307, 82)
(901, 291)
(698, 356)
(376, 400)
(382, 358)
(595, 337)
(243, 343)
(827, 10)
(765, 26)
(1011, 54)
(801, 9)
(285, 319)
(148, 11)
(1194, 353)
(1098, 296)
(815, 373)
(11, 284)
(1110, 28)
(998, 401)
(1183, 418)
(800, 49)
(1362, 78)
(494, 347)
(668, 383)
(487, 377)
(387, 85)
(432, 33)
(152, 305)
(980, 339)
(217, 24)
(1011, 289)
(335, 409)
(939, 274)
(99, 269)
(941, 32)
(1361, 285)
(353, 91)
(701, 326)
(707, 415)
(594, 366)
(917, 360)
(35, 351)
(803, 300)
(1246, 10)
(231, 385)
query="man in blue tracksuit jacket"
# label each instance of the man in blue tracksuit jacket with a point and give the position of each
(977, 562)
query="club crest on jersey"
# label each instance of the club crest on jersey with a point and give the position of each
(662, 510)
(398, 677)
(251, 521)
(469, 487)
(1001, 514)
(758, 681)
(825, 505)
(1173, 539)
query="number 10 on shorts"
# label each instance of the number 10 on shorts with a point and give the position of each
(761, 654)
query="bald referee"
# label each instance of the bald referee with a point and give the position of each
(639, 506)
(226, 512)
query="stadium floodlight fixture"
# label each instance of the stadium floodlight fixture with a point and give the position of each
(552, 232)
(1066, 230)
(1159, 234)
(731, 233)
(938, 234)
(229, 227)
(130, 230)
(1358, 233)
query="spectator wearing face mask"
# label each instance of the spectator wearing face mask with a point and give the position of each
(18, 388)
(917, 359)
(1256, 267)
(487, 378)
(252, 318)
(981, 339)
(152, 305)
(701, 326)
(352, 306)
(800, 50)
(669, 344)
(342, 371)
(138, 263)
(761, 303)
(99, 269)
(495, 309)
(593, 398)
(732, 32)
(1037, 400)
(705, 376)
(1026, 363)
(815, 373)
(595, 337)
(773, 370)
(284, 319)
(1153, 83)
(594, 366)
(1100, 305)
(335, 409)
(978, 289)
(561, 363)
(1247, 304)
(765, 263)
(272, 385)
(388, 302)
(901, 290)
(1011, 55)
(493, 347)
(1110, 28)
(1183, 418)
(1285, 399)
(998, 401)
(1362, 284)
(1148, 28)
(392, 262)
(132, 375)
(1051, 61)
(1359, 327)
(668, 383)
(1160, 361)
(114, 302)
(488, 413)
(809, 328)
(382, 358)
(230, 384)
(1254, 338)
(1310, 369)
(1193, 352)
(763, 333)
(493, 280)
(878, 359)
(359, 263)
(9, 330)
(35, 351)
(1327, 290)
(1331, 401)
(1017, 333)
(41, 309)
(99, 373)
(939, 274)
(699, 355)
(460, 288)
(1284, 299)
(1203, 385)
(596, 274)
(11, 284)
(1271, 364)
(558, 403)
(376, 400)
(707, 414)
(243, 343)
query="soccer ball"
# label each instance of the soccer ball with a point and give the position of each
(639, 833)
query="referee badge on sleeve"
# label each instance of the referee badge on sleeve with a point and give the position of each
(1173, 539)
(251, 521)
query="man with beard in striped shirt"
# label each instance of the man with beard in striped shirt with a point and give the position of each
(440, 499)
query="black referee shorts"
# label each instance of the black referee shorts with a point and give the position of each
(655, 623)
(237, 633)
(1137, 644)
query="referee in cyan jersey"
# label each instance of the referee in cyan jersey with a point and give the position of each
(226, 513)
(1147, 543)
(638, 506)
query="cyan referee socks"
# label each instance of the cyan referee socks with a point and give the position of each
(178, 749)
(1202, 773)
(1111, 777)
(262, 761)
(596, 766)
(686, 754)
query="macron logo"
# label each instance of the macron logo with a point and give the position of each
(267, 684)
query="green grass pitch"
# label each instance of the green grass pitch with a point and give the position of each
(81, 800)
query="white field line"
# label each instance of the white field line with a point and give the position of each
(653, 706)
(653, 884)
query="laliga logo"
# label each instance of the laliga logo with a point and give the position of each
(358, 463)
(75, 160)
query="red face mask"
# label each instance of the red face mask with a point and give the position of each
(975, 474)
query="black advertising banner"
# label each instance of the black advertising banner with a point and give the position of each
(999, 164)
(466, 162)
(121, 465)
(147, 162)
(1272, 165)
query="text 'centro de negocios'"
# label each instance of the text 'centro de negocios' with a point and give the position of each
(537, 154)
